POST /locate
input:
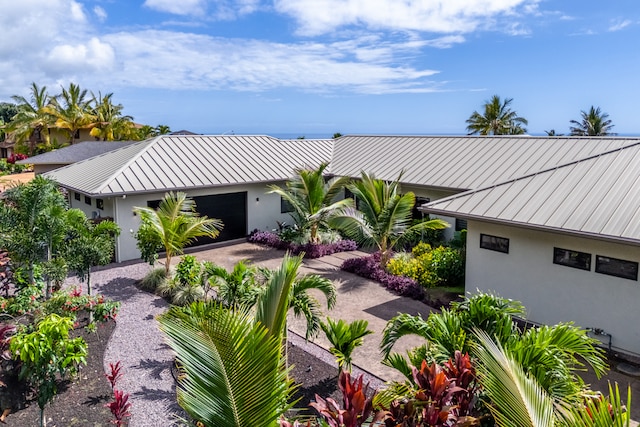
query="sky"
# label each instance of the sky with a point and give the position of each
(316, 67)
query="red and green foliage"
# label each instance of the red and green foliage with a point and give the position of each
(115, 374)
(120, 407)
(357, 406)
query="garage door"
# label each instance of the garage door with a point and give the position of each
(231, 208)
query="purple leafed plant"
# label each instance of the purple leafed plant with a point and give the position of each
(369, 268)
(115, 374)
(119, 407)
(311, 250)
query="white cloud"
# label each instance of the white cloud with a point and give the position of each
(216, 9)
(441, 16)
(182, 7)
(100, 13)
(619, 24)
(91, 56)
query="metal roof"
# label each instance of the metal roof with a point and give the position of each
(74, 153)
(461, 162)
(173, 162)
(598, 196)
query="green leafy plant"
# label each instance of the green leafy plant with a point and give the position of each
(152, 280)
(188, 270)
(344, 338)
(46, 353)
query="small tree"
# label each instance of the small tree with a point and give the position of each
(46, 353)
(171, 227)
(344, 338)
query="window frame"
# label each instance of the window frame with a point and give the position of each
(634, 270)
(494, 245)
(568, 264)
(285, 206)
(87, 200)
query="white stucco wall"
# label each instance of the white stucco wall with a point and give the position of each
(555, 293)
(262, 214)
(107, 210)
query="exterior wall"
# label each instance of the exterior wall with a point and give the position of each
(40, 169)
(263, 212)
(433, 195)
(62, 137)
(555, 293)
(89, 209)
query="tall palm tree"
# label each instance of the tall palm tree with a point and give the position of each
(592, 123)
(72, 111)
(32, 121)
(111, 125)
(285, 289)
(384, 216)
(550, 354)
(172, 226)
(497, 119)
(162, 130)
(313, 199)
(233, 370)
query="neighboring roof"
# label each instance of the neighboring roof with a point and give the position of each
(186, 162)
(183, 132)
(74, 153)
(461, 162)
(598, 197)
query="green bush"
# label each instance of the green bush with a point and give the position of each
(441, 266)
(153, 279)
(188, 270)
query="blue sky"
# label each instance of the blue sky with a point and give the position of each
(315, 67)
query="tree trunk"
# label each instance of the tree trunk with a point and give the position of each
(89, 293)
(43, 419)
(47, 291)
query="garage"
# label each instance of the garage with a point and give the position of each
(230, 208)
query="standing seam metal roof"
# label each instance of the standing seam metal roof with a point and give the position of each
(598, 196)
(171, 162)
(462, 162)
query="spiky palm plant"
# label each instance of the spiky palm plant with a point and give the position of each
(383, 217)
(497, 119)
(313, 199)
(233, 372)
(592, 123)
(172, 226)
(344, 338)
(233, 288)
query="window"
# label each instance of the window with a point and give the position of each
(76, 135)
(569, 258)
(153, 204)
(99, 203)
(494, 243)
(617, 267)
(416, 213)
(461, 224)
(76, 196)
(285, 206)
(87, 200)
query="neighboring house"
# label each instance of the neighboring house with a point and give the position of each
(565, 241)
(70, 154)
(226, 175)
(56, 137)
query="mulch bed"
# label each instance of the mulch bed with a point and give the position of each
(79, 402)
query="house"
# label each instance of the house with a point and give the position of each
(56, 137)
(226, 175)
(565, 241)
(70, 154)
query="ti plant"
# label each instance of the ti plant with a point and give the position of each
(344, 338)
(120, 405)
(357, 406)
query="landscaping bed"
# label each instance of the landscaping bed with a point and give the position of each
(311, 250)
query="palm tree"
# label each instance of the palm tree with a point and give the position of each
(32, 121)
(313, 199)
(384, 216)
(162, 130)
(235, 288)
(73, 112)
(172, 226)
(285, 290)
(233, 371)
(146, 132)
(592, 123)
(498, 119)
(111, 124)
(550, 354)
(344, 338)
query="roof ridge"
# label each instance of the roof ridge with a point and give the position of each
(149, 142)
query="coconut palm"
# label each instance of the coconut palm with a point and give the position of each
(517, 399)
(233, 373)
(344, 338)
(111, 125)
(313, 199)
(497, 119)
(235, 288)
(171, 227)
(285, 289)
(72, 111)
(32, 121)
(384, 216)
(592, 123)
(551, 354)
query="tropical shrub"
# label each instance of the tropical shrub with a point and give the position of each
(152, 280)
(441, 266)
(369, 267)
(188, 270)
(310, 250)
(344, 338)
